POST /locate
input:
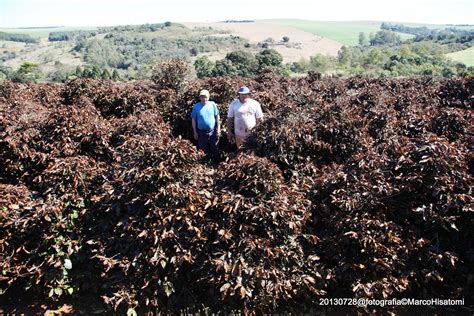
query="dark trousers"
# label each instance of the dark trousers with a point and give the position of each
(207, 141)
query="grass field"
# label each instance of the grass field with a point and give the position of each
(44, 32)
(346, 33)
(465, 56)
(438, 26)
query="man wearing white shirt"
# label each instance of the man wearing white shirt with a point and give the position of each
(244, 114)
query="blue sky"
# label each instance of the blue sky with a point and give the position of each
(22, 13)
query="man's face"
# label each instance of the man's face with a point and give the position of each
(204, 99)
(244, 97)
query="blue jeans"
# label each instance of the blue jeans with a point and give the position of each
(207, 141)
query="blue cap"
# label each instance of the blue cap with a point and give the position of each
(244, 90)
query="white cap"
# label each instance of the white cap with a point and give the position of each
(204, 92)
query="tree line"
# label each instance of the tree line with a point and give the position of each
(71, 35)
(24, 38)
(422, 33)
(122, 55)
(78, 35)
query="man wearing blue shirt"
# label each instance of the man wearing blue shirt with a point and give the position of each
(206, 125)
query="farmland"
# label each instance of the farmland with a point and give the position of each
(358, 187)
(465, 56)
(346, 33)
(128, 52)
(302, 44)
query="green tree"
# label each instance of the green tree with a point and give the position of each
(363, 39)
(96, 72)
(116, 75)
(371, 37)
(28, 72)
(385, 37)
(4, 72)
(106, 74)
(320, 62)
(244, 62)
(224, 67)
(27, 67)
(448, 72)
(92, 72)
(78, 72)
(374, 57)
(86, 73)
(405, 51)
(203, 66)
(269, 58)
(103, 53)
(302, 66)
(344, 56)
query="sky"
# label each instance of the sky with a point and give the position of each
(31, 13)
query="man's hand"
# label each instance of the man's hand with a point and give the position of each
(218, 133)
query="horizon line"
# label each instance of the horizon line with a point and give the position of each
(236, 21)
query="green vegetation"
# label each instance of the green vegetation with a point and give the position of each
(346, 33)
(452, 39)
(142, 28)
(424, 32)
(28, 72)
(382, 37)
(441, 26)
(465, 56)
(70, 35)
(129, 51)
(403, 60)
(203, 66)
(134, 52)
(25, 38)
(384, 53)
(241, 63)
(43, 32)
(269, 58)
(450, 35)
(4, 72)
(320, 63)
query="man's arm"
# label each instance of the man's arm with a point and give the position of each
(218, 120)
(230, 129)
(259, 114)
(230, 124)
(195, 133)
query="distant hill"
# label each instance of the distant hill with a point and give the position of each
(130, 50)
(301, 44)
(43, 32)
(346, 33)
